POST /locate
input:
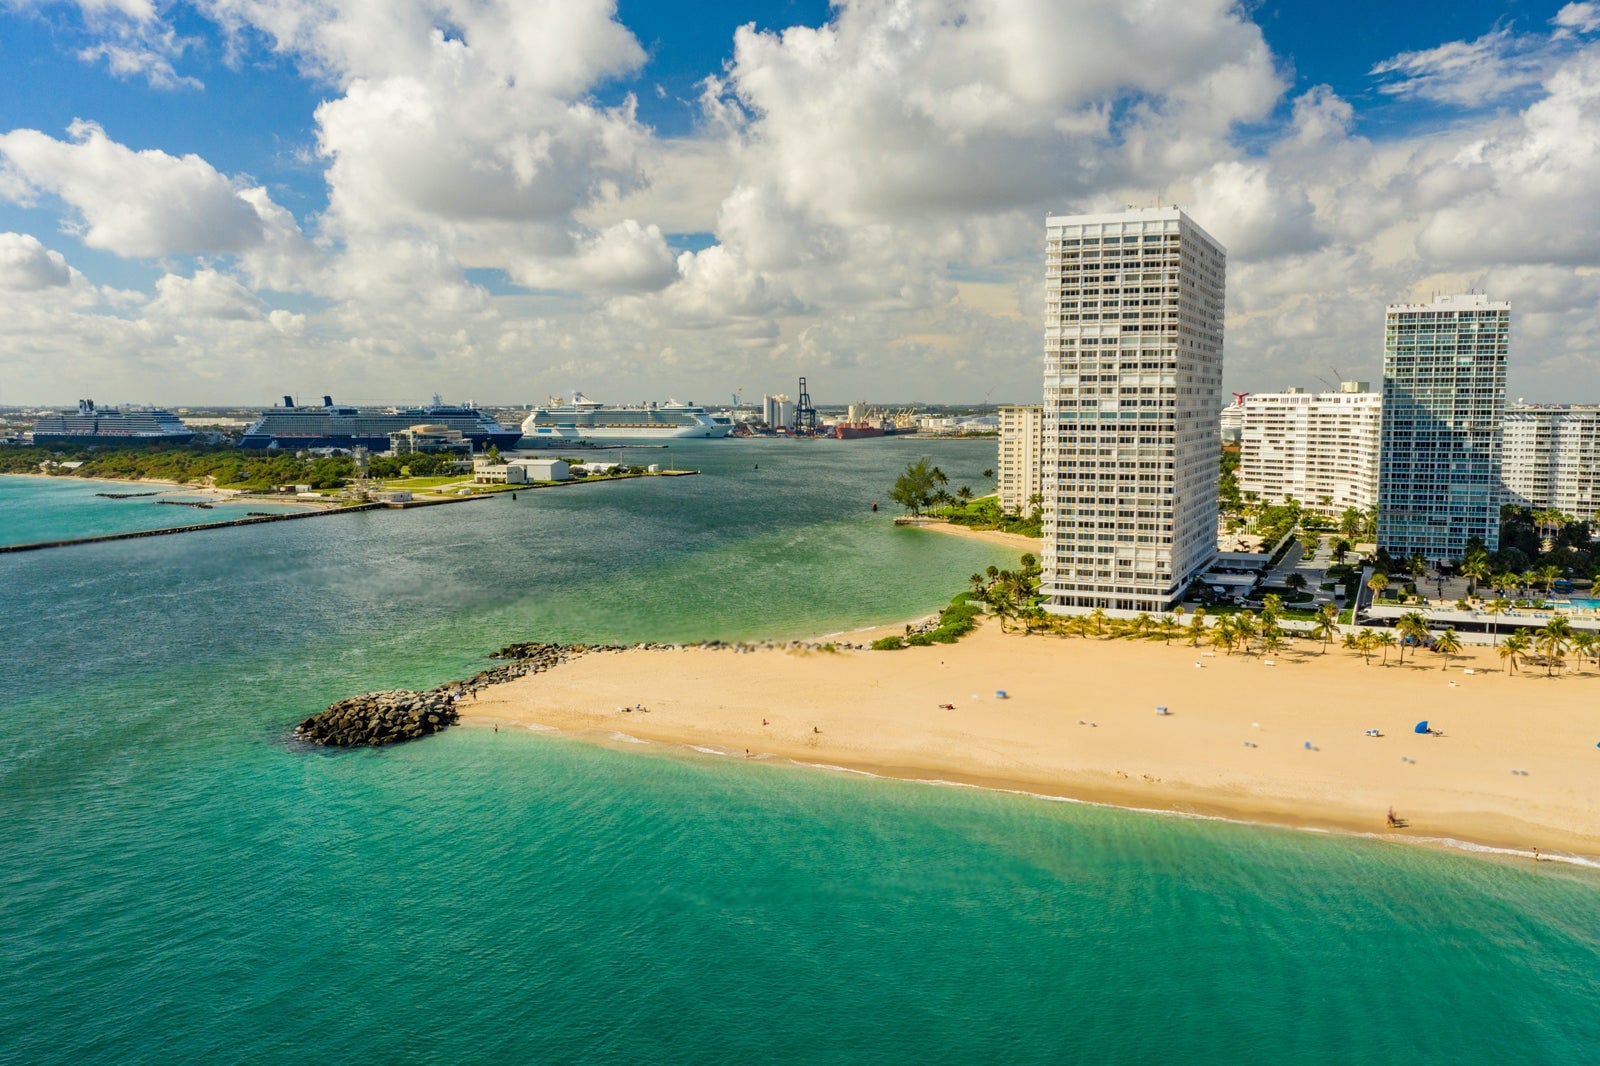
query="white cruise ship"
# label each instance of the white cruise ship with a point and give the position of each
(586, 418)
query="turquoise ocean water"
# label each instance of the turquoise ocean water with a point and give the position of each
(35, 510)
(182, 883)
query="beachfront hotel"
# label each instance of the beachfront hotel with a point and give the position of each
(1444, 394)
(1132, 388)
(1020, 467)
(1550, 457)
(1320, 448)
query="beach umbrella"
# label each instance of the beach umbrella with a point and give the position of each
(1422, 727)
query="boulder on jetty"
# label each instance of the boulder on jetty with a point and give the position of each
(380, 718)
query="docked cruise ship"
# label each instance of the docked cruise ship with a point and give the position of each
(584, 417)
(293, 427)
(92, 425)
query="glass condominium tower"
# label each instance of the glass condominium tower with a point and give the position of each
(1444, 396)
(1132, 395)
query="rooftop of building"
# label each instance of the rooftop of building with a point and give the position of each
(1460, 301)
(1133, 213)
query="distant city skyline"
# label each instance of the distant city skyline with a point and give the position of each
(218, 202)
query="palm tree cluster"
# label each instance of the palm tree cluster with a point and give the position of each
(1012, 594)
(1552, 642)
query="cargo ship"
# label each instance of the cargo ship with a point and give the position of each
(92, 426)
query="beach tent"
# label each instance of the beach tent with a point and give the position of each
(1422, 727)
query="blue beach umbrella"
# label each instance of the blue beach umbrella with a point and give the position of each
(1422, 727)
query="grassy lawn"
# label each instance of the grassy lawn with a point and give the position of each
(422, 484)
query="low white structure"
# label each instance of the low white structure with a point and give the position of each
(521, 472)
(544, 469)
(498, 474)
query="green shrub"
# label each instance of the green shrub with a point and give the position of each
(889, 643)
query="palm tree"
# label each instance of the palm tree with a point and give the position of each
(1098, 618)
(1245, 629)
(1169, 628)
(1197, 627)
(1416, 566)
(1548, 575)
(1377, 583)
(1553, 641)
(1223, 634)
(1001, 603)
(1516, 644)
(976, 581)
(1475, 568)
(1326, 625)
(1366, 640)
(988, 475)
(1447, 644)
(964, 493)
(1271, 607)
(1586, 644)
(1496, 607)
(1384, 639)
(1413, 629)
(1271, 637)
(1142, 623)
(1549, 523)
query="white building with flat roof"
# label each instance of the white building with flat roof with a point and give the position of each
(1444, 395)
(1132, 389)
(1321, 448)
(1019, 469)
(1550, 457)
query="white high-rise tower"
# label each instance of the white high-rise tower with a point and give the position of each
(1132, 388)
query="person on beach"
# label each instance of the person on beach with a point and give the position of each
(1391, 818)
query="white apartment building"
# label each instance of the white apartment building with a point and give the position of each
(1550, 457)
(1444, 395)
(1020, 468)
(1132, 388)
(1321, 448)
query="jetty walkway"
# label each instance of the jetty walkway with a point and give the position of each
(252, 520)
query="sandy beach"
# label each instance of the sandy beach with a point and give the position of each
(1079, 720)
(993, 536)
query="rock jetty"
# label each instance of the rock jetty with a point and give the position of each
(380, 718)
(376, 718)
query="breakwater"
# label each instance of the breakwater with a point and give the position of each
(252, 520)
(374, 719)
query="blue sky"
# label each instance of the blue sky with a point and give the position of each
(224, 200)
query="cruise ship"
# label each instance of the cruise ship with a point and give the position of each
(583, 418)
(92, 425)
(293, 427)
